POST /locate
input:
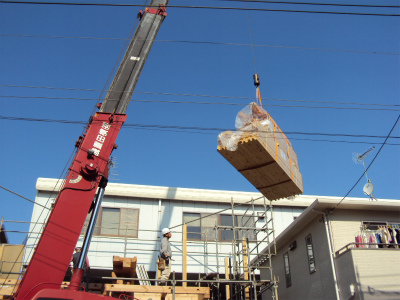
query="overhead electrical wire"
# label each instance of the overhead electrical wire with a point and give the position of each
(198, 42)
(217, 103)
(201, 7)
(313, 3)
(190, 95)
(366, 169)
(27, 199)
(184, 128)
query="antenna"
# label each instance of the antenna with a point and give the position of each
(113, 166)
(357, 158)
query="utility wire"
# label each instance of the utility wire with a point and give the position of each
(192, 128)
(366, 169)
(190, 95)
(197, 42)
(200, 7)
(312, 3)
(214, 103)
(27, 199)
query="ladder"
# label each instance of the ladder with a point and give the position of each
(142, 275)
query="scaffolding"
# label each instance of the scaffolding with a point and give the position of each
(239, 268)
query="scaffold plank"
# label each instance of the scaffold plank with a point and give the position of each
(205, 291)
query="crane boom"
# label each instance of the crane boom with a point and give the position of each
(89, 168)
(127, 76)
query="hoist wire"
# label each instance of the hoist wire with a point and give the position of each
(251, 41)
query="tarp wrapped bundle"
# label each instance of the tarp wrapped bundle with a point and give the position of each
(262, 153)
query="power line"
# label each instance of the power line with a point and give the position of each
(312, 3)
(199, 42)
(23, 197)
(200, 7)
(365, 171)
(184, 128)
(216, 103)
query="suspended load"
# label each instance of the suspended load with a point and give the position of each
(262, 153)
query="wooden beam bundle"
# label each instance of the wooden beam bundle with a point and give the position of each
(124, 267)
(264, 155)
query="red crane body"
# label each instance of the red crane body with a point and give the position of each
(50, 261)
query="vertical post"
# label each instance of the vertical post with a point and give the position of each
(125, 240)
(227, 276)
(246, 267)
(173, 285)
(184, 253)
(276, 288)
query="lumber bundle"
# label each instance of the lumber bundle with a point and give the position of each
(8, 287)
(124, 267)
(262, 153)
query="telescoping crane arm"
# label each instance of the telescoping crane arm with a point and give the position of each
(88, 172)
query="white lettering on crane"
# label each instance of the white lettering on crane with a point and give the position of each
(100, 139)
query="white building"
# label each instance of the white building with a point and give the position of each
(319, 257)
(132, 216)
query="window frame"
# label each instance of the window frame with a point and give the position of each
(288, 277)
(97, 230)
(314, 268)
(239, 232)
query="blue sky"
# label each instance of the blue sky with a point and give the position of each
(335, 67)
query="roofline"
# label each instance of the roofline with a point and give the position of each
(189, 194)
(322, 206)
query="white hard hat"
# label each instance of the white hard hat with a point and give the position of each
(165, 231)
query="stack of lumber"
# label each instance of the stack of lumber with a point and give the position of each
(8, 287)
(124, 267)
(261, 152)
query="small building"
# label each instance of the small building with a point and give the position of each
(338, 250)
(132, 216)
(218, 223)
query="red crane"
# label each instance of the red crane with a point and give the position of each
(87, 177)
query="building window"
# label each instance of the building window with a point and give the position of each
(310, 254)
(287, 269)
(115, 222)
(201, 226)
(193, 226)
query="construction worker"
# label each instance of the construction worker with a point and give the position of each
(165, 253)
(75, 260)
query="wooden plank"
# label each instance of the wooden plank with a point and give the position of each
(227, 289)
(155, 296)
(184, 255)
(246, 267)
(156, 289)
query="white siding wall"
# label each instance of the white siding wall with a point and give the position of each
(146, 246)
